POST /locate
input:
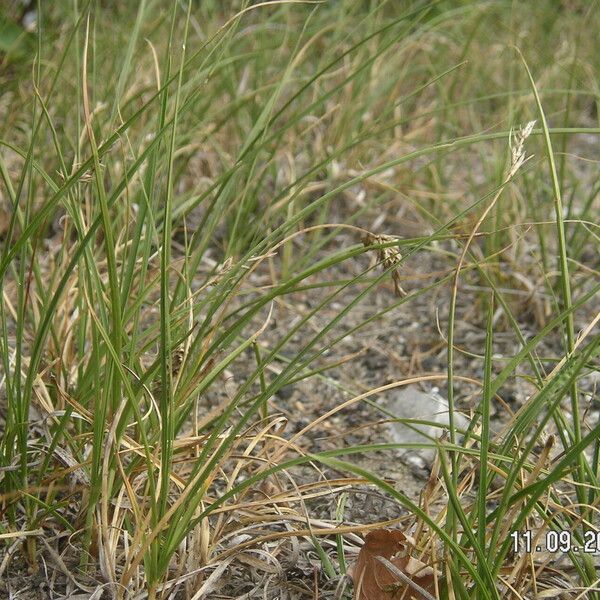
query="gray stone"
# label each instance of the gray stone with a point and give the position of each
(411, 404)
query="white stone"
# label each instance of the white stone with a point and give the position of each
(411, 404)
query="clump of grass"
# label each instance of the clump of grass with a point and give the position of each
(166, 205)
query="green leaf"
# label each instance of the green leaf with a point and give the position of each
(15, 42)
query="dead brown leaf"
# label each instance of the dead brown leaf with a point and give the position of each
(373, 580)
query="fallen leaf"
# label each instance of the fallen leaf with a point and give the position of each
(374, 581)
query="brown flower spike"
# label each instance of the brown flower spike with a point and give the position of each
(389, 257)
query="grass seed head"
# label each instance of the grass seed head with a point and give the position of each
(388, 256)
(517, 146)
